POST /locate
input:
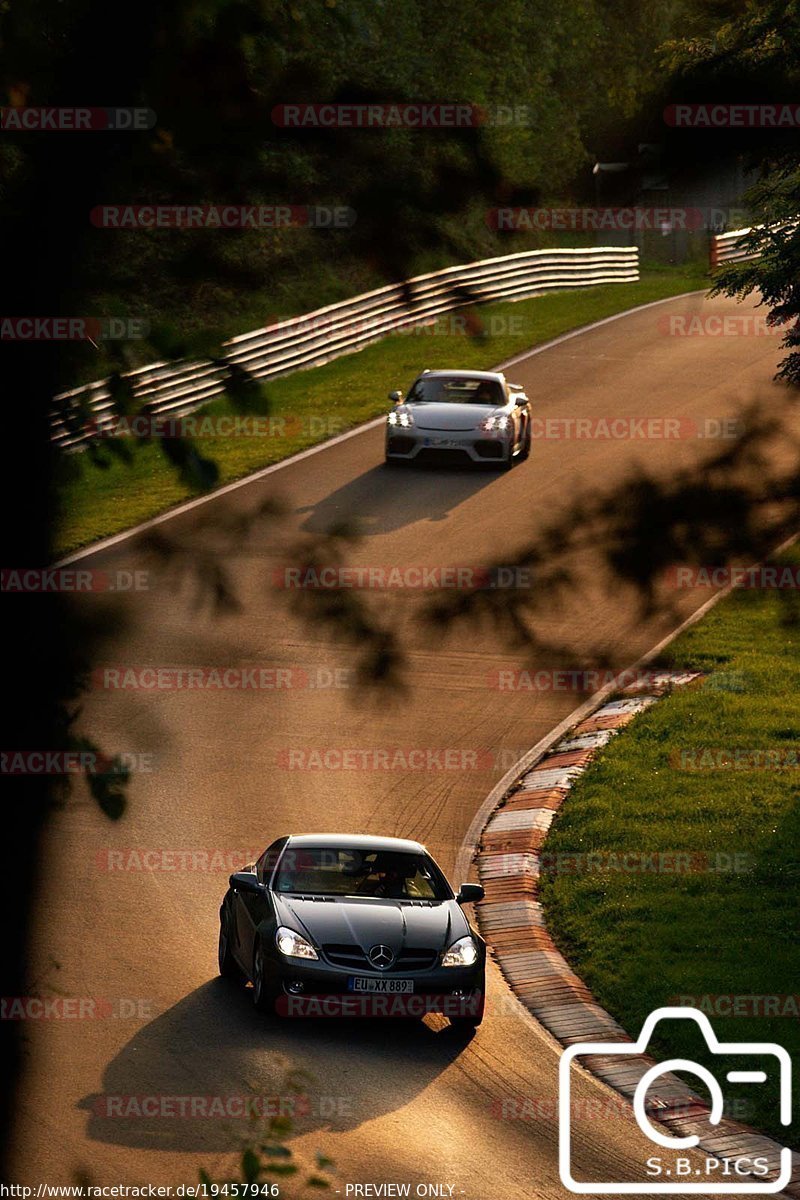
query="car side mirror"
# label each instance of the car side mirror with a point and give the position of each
(396, 397)
(470, 893)
(245, 881)
(520, 401)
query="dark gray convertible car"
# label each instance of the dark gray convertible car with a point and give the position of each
(343, 925)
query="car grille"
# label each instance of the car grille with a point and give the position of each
(353, 958)
(439, 456)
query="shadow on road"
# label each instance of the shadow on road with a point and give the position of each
(388, 498)
(214, 1051)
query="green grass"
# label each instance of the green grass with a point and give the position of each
(639, 940)
(309, 406)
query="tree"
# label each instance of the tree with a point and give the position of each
(762, 48)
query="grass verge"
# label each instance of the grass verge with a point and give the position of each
(726, 931)
(310, 406)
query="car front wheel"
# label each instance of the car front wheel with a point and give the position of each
(470, 1020)
(264, 995)
(228, 967)
(505, 464)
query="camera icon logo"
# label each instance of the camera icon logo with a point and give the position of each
(760, 1051)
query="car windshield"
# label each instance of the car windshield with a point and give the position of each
(453, 389)
(388, 875)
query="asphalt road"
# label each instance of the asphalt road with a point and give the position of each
(412, 1103)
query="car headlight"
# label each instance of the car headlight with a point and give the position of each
(293, 945)
(497, 421)
(462, 953)
(403, 419)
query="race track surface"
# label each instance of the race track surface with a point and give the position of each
(407, 1103)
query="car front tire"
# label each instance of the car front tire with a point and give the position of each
(473, 1020)
(506, 464)
(264, 994)
(228, 966)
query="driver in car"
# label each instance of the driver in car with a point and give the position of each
(487, 394)
(391, 879)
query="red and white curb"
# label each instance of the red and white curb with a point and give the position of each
(512, 921)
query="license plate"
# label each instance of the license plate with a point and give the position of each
(443, 443)
(392, 987)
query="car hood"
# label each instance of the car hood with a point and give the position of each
(369, 922)
(450, 416)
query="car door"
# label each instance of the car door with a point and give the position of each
(252, 907)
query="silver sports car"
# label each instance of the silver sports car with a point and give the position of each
(475, 416)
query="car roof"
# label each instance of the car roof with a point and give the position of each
(356, 841)
(495, 376)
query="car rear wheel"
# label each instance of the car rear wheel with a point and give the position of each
(228, 966)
